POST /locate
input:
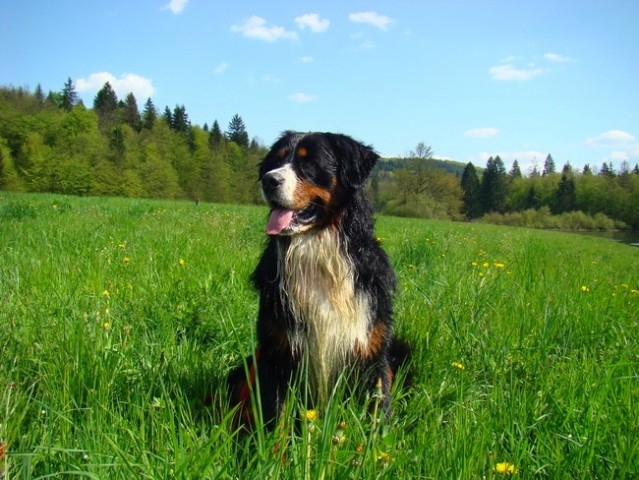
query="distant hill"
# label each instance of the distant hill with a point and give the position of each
(450, 166)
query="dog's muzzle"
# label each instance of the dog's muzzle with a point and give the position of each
(271, 183)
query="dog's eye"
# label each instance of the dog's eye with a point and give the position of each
(302, 152)
(281, 153)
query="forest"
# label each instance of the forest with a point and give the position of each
(54, 143)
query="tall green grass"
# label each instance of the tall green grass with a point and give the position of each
(119, 320)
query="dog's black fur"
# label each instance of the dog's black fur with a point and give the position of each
(325, 284)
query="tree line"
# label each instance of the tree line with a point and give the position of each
(54, 143)
(592, 198)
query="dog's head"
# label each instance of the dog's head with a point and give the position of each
(307, 177)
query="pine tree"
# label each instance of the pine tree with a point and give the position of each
(587, 170)
(215, 135)
(564, 198)
(180, 119)
(515, 171)
(69, 96)
(567, 169)
(549, 166)
(105, 105)
(149, 115)
(131, 113)
(636, 169)
(168, 116)
(494, 186)
(39, 95)
(607, 170)
(237, 131)
(532, 198)
(471, 192)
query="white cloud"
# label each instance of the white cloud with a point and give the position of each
(510, 59)
(300, 97)
(176, 6)
(508, 72)
(556, 58)
(256, 27)
(481, 132)
(611, 138)
(221, 68)
(620, 156)
(372, 18)
(307, 59)
(127, 83)
(312, 21)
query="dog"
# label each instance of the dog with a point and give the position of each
(325, 285)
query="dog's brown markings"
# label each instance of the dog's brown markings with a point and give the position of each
(306, 192)
(374, 344)
(281, 153)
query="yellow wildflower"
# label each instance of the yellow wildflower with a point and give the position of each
(499, 265)
(458, 365)
(383, 456)
(181, 262)
(106, 326)
(126, 259)
(474, 264)
(585, 289)
(505, 468)
(485, 265)
(105, 294)
(310, 415)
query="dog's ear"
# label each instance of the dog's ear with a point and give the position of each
(354, 159)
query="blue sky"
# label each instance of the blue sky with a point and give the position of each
(471, 79)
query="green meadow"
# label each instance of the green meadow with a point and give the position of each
(120, 318)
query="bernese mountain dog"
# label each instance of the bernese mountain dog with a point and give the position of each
(325, 284)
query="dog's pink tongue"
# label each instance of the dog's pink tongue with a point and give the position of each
(280, 219)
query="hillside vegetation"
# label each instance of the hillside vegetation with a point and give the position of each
(56, 144)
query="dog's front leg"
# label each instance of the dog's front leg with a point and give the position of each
(274, 372)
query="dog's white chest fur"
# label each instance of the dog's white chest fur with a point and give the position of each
(318, 280)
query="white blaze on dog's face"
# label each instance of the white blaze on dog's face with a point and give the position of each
(298, 181)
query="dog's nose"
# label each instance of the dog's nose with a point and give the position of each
(270, 182)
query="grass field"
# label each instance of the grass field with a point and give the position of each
(120, 318)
